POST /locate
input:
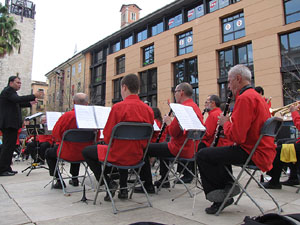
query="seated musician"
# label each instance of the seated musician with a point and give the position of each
(122, 152)
(261, 91)
(249, 115)
(66, 122)
(275, 173)
(183, 95)
(44, 141)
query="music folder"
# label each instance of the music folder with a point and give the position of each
(186, 117)
(91, 116)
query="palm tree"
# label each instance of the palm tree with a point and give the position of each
(10, 37)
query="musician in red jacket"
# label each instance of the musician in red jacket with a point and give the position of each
(249, 115)
(44, 141)
(183, 95)
(122, 152)
(70, 151)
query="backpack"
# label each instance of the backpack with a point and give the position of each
(273, 219)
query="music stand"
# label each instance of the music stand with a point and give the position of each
(35, 129)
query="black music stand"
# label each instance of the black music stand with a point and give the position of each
(35, 129)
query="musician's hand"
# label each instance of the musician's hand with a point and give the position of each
(295, 107)
(167, 120)
(222, 120)
(34, 102)
(39, 94)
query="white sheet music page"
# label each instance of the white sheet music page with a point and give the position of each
(52, 118)
(101, 115)
(155, 126)
(85, 116)
(187, 117)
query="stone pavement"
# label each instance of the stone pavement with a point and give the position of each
(24, 200)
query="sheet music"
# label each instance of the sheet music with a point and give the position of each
(155, 126)
(187, 117)
(52, 118)
(85, 117)
(101, 114)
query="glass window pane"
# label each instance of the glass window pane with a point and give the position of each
(294, 41)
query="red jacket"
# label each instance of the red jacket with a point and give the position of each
(211, 126)
(156, 133)
(45, 138)
(249, 114)
(70, 151)
(123, 152)
(178, 136)
(296, 121)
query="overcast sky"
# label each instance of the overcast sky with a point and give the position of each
(63, 24)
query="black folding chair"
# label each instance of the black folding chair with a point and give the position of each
(270, 128)
(74, 136)
(194, 135)
(131, 131)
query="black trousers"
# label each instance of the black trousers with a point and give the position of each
(155, 150)
(37, 150)
(51, 157)
(212, 161)
(10, 136)
(90, 155)
(275, 172)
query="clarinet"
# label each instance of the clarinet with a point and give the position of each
(220, 128)
(204, 111)
(163, 128)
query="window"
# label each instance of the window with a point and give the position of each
(187, 71)
(142, 35)
(185, 43)
(120, 64)
(128, 41)
(230, 57)
(175, 21)
(291, 11)
(73, 70)
(79, 67)
(99, 73)
(290, 49)
(148, 54)
(98, 57)
(217, 4)
(158, 28)
(116, 47)
(98, 95)
(133, 16)
(148, 86)
(117, 90)
(195, 12)
(233, 27)
(290, 64)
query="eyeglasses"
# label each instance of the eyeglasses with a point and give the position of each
(177, 90)
(206, 102)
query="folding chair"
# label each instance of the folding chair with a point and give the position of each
(194, 135)
(74, 136)
(270, 128)
(131, 131)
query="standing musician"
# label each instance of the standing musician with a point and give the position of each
(275, 173)
(249, 114)
(183, 95)
(122, 152)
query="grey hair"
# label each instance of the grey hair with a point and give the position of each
(241, 70)
(80, 99)
(187, 88)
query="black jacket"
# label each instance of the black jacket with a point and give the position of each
(10, 108)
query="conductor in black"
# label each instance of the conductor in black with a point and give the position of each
(11, 120)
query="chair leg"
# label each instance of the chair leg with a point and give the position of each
(142, 185)
(248, 182)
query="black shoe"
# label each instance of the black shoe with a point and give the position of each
(213, 209)
(13, 171)
(58, 185)
(290, 182)
(269, 185)
(123, 194)
(165, 184)
(74, 182)
(150, 189)
(112, 187)
(185, 179)
(220, 194)
(7, 173)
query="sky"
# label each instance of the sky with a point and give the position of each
(61, 25)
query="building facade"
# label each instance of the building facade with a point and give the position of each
(19, 63)
(198, 42)
(39, 86)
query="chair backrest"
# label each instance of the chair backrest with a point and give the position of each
(195, 135)
(132, 131)
(80, 135)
